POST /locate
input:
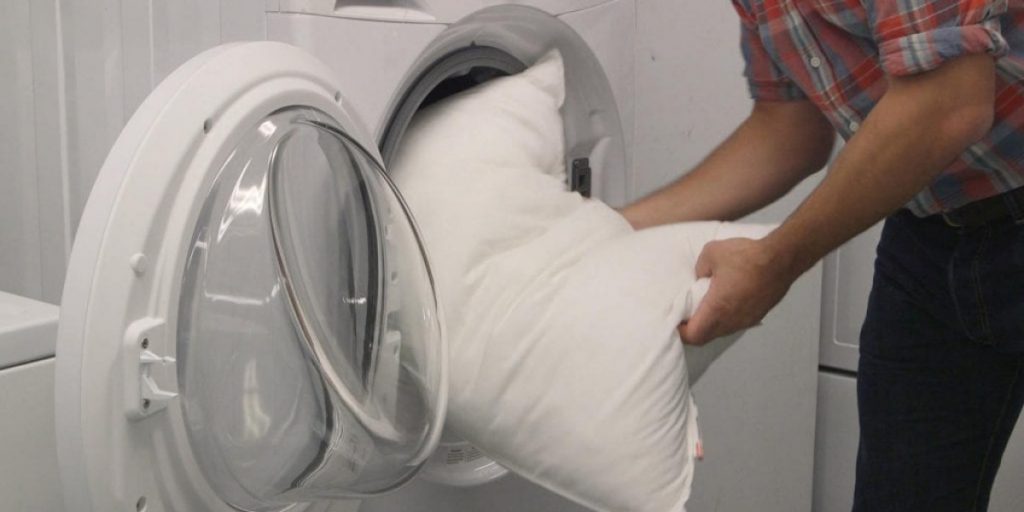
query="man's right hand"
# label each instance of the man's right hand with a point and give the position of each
(748, 278)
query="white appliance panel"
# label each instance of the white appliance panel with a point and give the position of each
(28, 459)
(331, 40)
(835, 451)
(420, 11)
(835, 446)
(610, 32)
(845, 289)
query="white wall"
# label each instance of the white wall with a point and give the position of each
(757, 405)
(32, 235)
(74, 72)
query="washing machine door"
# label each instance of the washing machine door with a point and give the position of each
(249, 320)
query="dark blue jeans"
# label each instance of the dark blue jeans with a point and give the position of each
(941, 377)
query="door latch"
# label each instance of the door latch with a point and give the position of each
(580, 177)
(149, 379)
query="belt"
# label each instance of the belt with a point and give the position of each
(1009, 205)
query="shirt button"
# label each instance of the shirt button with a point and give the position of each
(854, 126)
(815, 62)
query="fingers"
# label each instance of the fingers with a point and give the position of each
(717, 314)
(712, 255)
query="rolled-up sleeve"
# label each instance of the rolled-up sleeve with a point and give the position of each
(765, 80)
(914, 36)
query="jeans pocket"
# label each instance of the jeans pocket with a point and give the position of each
(1000, 286)
(970, 271)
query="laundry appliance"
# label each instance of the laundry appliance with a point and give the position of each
(193, 367)
(28, 465)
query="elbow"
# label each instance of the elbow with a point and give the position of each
(956, 101)
(816, 152)
(821, 140)
(822, 153)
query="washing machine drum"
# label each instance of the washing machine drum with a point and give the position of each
(249, 321)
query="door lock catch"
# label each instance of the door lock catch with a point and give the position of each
(581, 176)
(149, 377)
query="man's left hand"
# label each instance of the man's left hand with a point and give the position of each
(748, 278)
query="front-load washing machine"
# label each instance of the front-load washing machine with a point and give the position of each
(422, 51)
(197, 366)
(273, 338)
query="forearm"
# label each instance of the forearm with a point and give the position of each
(920, 126)
(776, 147)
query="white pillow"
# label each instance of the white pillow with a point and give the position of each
(565, 363)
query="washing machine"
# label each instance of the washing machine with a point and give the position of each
(248, 320)
(418, 52)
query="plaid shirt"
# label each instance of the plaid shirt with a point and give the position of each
(837, 53)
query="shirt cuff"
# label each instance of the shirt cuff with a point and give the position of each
(925, 51)
(775, 91)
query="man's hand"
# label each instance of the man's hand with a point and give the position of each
(922, 123)
(748, 278)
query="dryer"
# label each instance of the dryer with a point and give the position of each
(28, 464)
(194, 257)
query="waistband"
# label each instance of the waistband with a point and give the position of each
(1005, 206)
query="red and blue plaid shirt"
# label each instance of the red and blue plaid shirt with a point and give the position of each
(837, 53)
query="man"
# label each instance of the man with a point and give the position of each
(928, 95)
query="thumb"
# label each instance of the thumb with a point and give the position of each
(700, 328)
(705, 262)
(695, 330)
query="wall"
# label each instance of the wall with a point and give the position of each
(32, 217)
(75, 77)
(757, 404)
